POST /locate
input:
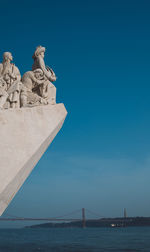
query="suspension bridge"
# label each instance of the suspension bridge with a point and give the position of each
(64, 218)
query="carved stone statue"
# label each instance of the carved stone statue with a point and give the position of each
(10, 83)
(47, 90)
(35, 88)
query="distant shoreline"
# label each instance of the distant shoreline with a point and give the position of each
(104, 222)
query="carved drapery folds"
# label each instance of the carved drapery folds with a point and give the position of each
(33, 89)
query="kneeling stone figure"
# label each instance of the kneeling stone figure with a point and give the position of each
(29, 94)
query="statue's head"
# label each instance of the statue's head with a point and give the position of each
(40, 50)
(7, 56)
(38, 73)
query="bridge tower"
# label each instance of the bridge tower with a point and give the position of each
(125, 213)
(83, 218)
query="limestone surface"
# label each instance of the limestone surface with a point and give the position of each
(25, 134)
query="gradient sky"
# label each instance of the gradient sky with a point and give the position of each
(100, 52)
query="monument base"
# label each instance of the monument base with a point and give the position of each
(25, 134)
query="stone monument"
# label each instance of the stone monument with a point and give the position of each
(29, 120)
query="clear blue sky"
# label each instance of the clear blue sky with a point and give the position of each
(100, 51)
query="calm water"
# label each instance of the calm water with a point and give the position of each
(76, 240)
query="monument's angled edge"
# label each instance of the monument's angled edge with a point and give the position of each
(29, 121)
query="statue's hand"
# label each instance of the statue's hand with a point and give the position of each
(12, 76)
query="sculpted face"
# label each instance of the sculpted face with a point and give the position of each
(7, 56)
(42, 54)
(10, 57)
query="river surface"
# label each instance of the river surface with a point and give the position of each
(129, 239)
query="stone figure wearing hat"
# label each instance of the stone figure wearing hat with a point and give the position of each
(47, 90)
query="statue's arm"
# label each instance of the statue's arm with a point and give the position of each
(53, 76)
(16, 74)
(43, 67)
